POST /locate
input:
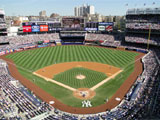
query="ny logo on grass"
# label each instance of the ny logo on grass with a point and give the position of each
(86, 103)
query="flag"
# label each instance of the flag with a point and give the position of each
(153, 3)
(144, 4)
(126, 5)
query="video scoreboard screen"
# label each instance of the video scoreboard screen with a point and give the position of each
(73, 22)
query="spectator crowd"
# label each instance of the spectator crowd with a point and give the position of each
(143, 39)
(16, 42)
(99, 37)
(145, 26)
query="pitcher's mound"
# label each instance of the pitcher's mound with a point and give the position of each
(80, 77)
(84, 93)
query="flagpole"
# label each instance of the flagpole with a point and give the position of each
(149, 36)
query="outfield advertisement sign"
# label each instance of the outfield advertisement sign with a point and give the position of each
(35, 28)
(27, 28)
(52, 29)
(109, 28)
(2, 53)
(43, 28)
(101, 28)
(55, 29)
(105, 26)
(91, 29)
(106, 23)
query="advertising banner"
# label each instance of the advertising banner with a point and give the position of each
(43, 28)
(58, 29)
(52, 29)
(109, 28)
(106, 23)
(2, 53)
(46, 41)
(101, 28)
(27, 29)
(91, 29)
(105, 26)
(35, 28)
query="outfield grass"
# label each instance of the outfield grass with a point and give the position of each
(69, 77)
(32, 60)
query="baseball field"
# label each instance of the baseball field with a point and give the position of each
(62, 70)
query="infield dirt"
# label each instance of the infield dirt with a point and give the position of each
(54, 69)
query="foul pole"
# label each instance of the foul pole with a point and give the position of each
(149, 36)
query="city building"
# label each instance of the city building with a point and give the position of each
(76, 11)
(91, 9)
(109, 18)
(54, 15)
(42, 13)
(84, 10)
(94, 18)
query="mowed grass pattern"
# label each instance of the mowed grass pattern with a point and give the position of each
(39, 58)
(32, 60)
(69, 77)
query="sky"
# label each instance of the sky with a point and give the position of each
(66, 7)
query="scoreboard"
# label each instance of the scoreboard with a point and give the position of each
(73, 23)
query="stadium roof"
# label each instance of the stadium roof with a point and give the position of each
(143, 11)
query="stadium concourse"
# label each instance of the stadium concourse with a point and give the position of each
(17, 102)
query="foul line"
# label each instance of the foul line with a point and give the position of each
(105, 80)
(73, 89)
(54, 81)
